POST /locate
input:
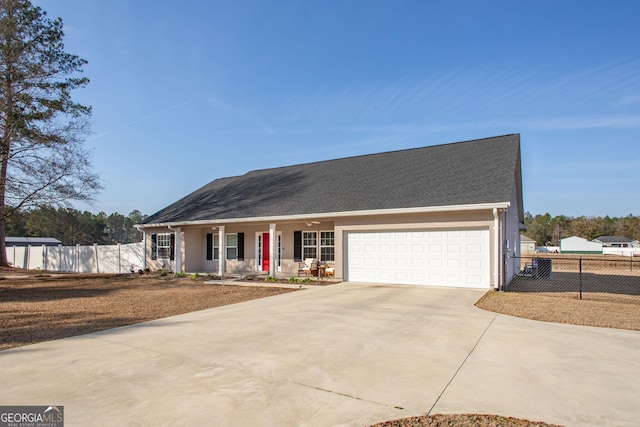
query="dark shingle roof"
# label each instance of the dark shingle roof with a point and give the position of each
(34, 241)
(463, 173)
(614, 239)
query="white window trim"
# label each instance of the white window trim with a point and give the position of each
(216, 247)
(320, 245)
(227, 247)
(167, 246)
(304, 256)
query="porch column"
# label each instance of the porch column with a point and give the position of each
(178, 249)
(144, 249)
(273, 247)
(222, 251)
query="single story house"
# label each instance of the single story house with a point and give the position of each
(31, 241)
(527, 245)
(617, 242)
(443, 215)
(578, 245)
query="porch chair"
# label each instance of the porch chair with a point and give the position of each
(329, 271)
(309, 267)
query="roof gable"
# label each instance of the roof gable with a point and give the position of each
(463, 173)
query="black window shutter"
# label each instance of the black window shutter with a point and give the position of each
(209, 246)
(240, 246)
(172, 248)
(297, 246)
(154, 246)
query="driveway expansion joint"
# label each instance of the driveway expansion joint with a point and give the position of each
(455, 374)
(348, 396)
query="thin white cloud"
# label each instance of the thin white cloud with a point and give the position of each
(136, 121)
(157, 113)
(256, 121)
(483, 91)
(573, 123)
(98, 136)
(584, 123)
(618, 165)
(628, 100)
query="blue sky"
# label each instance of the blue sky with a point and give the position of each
(186, 92)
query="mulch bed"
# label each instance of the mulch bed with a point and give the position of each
(307, 281)
(463, 420)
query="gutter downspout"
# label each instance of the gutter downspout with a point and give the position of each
(497, 250)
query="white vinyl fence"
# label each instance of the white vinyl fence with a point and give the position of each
(120, 258)
(621, 251)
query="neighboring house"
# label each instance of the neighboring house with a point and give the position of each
(31, 241)
(443, 215)
(616, 242)
(527, 245)
(578, 245)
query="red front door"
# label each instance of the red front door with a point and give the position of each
(266, 248)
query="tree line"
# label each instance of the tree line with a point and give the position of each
(73, 227)
(547, 230)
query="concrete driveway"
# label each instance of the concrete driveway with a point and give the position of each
(343, 355)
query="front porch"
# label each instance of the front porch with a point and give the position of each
(242, 250)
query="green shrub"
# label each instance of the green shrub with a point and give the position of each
(164, 272)
(294, 279)
(194, 276)
(270, 279)
(180, 274)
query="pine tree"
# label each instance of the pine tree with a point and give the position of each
(42, 160)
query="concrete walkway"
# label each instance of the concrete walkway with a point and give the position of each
(342, 355)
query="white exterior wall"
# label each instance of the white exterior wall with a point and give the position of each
(511, 247)
(578, 244)
(526, 246)
(193, 245)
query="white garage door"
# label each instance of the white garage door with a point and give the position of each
(457, 258)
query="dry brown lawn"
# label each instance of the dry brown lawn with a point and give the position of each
(35, 309)
(557, 309)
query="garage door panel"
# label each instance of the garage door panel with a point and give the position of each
(474, 279)
(474, 264)
(438, 258)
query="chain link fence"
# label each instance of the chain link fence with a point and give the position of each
(605, 278)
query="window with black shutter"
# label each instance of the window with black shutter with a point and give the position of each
(154, 246)
(297, 246)
(209, 246)
(240, 246)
